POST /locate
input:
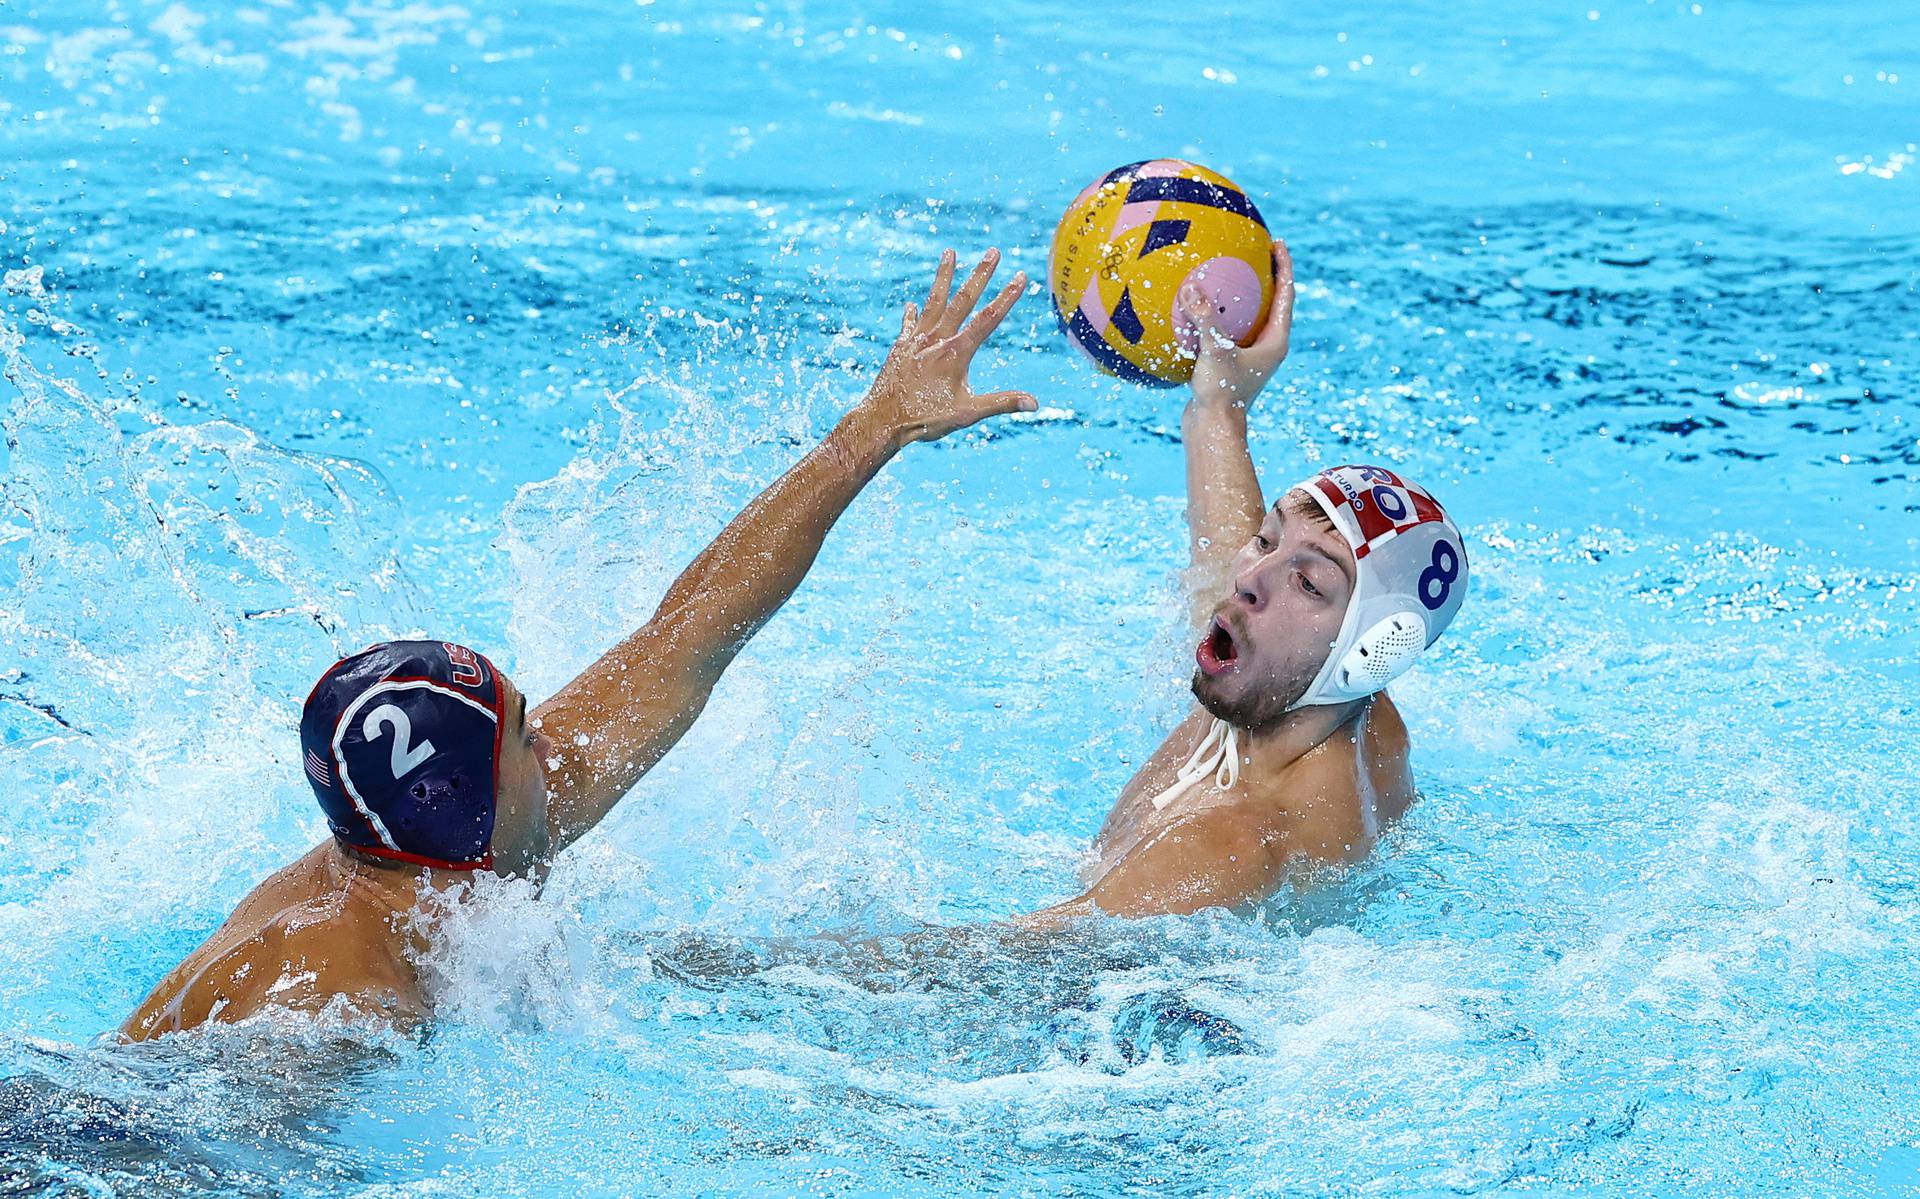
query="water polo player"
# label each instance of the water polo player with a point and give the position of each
(1295, 753)
(429, 768)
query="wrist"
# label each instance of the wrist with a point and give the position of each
(868, 435)
(1215, 406)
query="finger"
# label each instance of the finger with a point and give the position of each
(1198, 307)
(909, 320)
(969, 295)
(1271, 345)
(1211, 341)
(1004, 403)
(1282, 314)
(937, 295)
(983, 325)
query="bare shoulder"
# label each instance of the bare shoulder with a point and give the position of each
(304, 958)
(1386, 758)
(1386, 732)
(305, 963)
(1334, 802)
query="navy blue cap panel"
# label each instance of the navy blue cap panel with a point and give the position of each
(401, 743)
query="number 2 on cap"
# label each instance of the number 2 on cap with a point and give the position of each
(405, 754)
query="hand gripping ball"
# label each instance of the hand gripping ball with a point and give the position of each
(1128, 243)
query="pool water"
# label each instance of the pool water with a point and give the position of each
(326, 323)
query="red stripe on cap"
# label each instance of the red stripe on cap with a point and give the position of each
(1331, 490)
(485, 861)
(408, 678)
(324, 676)
(499, 732)
(1424, 507)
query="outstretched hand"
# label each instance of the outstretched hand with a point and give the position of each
(1227, 372)
(922, 392)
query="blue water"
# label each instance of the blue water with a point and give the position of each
(328, 322)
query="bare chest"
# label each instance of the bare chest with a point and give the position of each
(1324, 807)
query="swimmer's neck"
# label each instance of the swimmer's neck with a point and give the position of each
(400, 887)
(1267, 751)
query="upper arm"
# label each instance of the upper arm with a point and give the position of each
(614, 721)
(1214, 859)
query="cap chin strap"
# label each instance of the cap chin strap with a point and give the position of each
(1218, 754)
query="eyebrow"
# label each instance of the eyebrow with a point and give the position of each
(1321, 550)
(1325, 529)
(1305, 508)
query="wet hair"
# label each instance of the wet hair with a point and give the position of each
(1299, 503)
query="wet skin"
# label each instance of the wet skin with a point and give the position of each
(336, 931)
(1269, 588)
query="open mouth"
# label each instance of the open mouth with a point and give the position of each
(1217, 653)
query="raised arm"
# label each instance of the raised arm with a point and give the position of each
(625, 711)
(1224, 506)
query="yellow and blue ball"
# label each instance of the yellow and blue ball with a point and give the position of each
(1131, 240)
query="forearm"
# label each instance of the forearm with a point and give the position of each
(754, 566)
(1224, 506)
(623, 712)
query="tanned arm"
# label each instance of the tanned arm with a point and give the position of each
(1224, 507)
(625, 711)
(1207, 860)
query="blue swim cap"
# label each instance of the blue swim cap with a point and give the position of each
(402, 746)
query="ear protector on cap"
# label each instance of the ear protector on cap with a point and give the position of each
(1410, 577)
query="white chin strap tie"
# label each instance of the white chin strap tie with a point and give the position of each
(1218, 754)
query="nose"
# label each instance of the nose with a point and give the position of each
(1249, 584)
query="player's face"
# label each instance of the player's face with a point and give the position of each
(1270, 636)
(520, 836)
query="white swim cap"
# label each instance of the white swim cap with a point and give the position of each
(1410, 575)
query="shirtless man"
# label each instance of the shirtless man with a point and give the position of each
(431, 770)
(1295, 753)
